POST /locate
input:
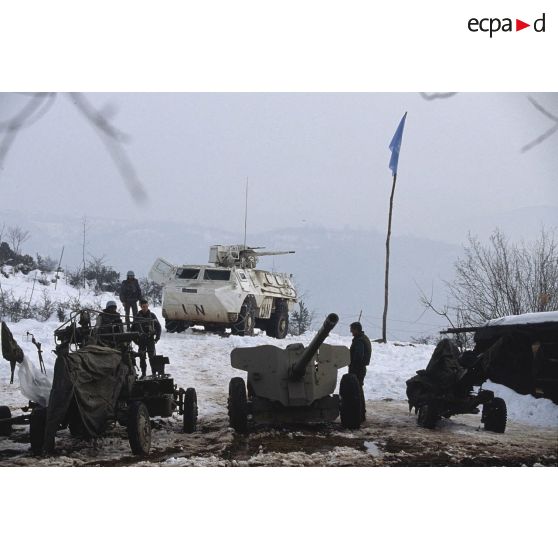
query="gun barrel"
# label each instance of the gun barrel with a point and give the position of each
(278, 253)
(299, 368)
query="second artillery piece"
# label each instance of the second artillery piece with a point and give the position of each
(294, 385)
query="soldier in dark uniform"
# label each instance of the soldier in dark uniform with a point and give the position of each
(147, 324)
(361, 351)
(130, 293)
(109, 322)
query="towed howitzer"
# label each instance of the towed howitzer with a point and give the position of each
(97, 385)
(299, 368)
(295, 384)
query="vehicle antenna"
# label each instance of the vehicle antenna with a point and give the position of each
(246, 212)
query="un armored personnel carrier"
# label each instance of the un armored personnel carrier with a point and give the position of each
(229, 292)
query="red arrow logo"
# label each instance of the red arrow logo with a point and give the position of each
(519, 25)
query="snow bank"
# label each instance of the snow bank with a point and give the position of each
(202, 360)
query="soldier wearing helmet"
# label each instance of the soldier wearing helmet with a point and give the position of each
(109, 323)
(130, 293)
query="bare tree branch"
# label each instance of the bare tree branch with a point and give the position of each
(546, 134)
(112, 138)
(35, 108)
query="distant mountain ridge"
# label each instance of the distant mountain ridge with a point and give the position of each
(341, 270)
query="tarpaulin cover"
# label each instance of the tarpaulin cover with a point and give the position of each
(11, 351)
(441, 375)
(94, 375)
(33, 383)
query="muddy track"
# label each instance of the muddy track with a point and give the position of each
(389, 437)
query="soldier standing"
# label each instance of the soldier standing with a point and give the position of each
(149, 328)
(361, 351)
(130, 293)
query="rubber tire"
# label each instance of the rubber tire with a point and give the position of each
(37, 425)
(244, 326)
(217, 330)
(190, 411)
(139, 428)
(5, 428)
(175, 326)
(237, 405)
(363, 405)
(278, 325)
(77, 428)
(350, 405)
(427, 416)
(495, 415)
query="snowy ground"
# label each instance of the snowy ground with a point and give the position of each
(389, 436)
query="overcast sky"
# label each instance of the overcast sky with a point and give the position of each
(309, 159)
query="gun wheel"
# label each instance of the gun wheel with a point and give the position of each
(190, 411)
(139, 428)
(37, 425)
(427, 416)
(351, 399)
(495, 415)
(5, 427)
(238, 405)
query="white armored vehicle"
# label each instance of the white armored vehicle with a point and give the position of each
(228, 293)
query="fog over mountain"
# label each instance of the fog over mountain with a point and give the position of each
(338, 270)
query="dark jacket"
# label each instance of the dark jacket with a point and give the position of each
(361, 351)
(130, 291)
(109, 322)
(147, 323)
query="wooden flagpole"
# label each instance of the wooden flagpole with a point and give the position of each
(386, 288)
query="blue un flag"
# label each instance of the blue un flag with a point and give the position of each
(395, 145)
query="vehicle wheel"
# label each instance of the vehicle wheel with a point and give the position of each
(362, 405)
(238, 405)
(171, 326)
(246, 319)
(175, 326)
(218, 330)
(278, 325)
(190, 411)
(427, 416)
(77, 428)
(139, 428)
(5, 427)
(495, 415)
(351, 401)
(37, 425)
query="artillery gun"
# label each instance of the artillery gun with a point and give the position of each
(228, 293)
(294, 385)
(95, 385)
